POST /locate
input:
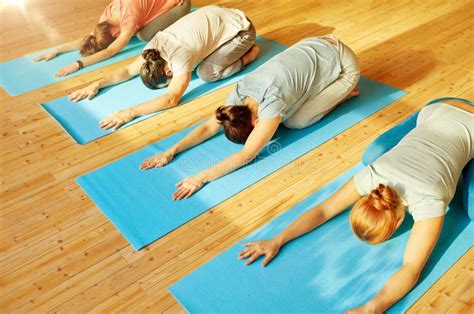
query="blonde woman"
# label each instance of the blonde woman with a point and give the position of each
(419, 174)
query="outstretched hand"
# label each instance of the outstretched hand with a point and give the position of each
(46, 56)
(68, 69)
(254, 250)
(157, 161)
(116, 119)
(187, 187)
(89, 92)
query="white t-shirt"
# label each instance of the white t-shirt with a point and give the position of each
(425, 166)
(195, 36)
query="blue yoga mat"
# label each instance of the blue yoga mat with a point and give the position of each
(22, 75)
(81, 120)
(139, 202)
(326, 271)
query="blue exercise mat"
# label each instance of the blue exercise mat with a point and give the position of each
(81, 120)
(326, 271)
(139, 203)
(22, 75)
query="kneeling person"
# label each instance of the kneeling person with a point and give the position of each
(219, 41)
(418, 175)
(297, 88)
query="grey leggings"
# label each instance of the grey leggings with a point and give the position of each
(321, 104)
(164, 20)
(226, 60)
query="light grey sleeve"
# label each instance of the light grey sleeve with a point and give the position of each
(181, 63)
(363, 181)
(152, 44)
(271, 107)
(234, 98)
(427, 209)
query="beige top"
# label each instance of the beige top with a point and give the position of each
(425, 166)
(195, 36)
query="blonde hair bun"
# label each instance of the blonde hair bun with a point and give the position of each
(384, 198)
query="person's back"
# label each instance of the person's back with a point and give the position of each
(134, 14)
(426, 164)
(291, 77)
(192, 38)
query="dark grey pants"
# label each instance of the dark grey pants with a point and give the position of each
(164, 20)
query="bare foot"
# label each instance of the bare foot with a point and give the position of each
(355, 92)
(251, 55)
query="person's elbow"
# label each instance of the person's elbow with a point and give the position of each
(247, 157)
(109, 52)
(172, 100)
(413, 273)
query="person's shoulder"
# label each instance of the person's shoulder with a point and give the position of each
(207, 9)
(216, 10)
(235, 98)
(427, 208)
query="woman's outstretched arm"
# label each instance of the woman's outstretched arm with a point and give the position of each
(260, 136)
(73, 45)
(423, 238)
(308, 221)
(115, 47)
(171, 98)
(196, 136)
(118, 76)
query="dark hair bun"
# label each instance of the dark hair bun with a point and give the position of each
(237, 122)
(152, 71)
(151, 55)
(222, 116)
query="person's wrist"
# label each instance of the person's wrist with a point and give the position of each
(132, 113)
(80, 64)
(372, 307)
(279, 240)
(202, 178)
(100, 83)
(170, 153)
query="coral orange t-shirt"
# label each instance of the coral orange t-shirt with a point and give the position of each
(134, 14)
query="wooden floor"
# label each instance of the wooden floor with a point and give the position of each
(59, 253)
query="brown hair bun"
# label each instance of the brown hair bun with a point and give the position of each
(237, 122)
(152, 71)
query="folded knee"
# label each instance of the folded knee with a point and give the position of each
(207, 74)
(295, 123)
(356, 77)
(352, 76)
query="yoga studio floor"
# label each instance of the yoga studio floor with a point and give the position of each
(60, 253)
